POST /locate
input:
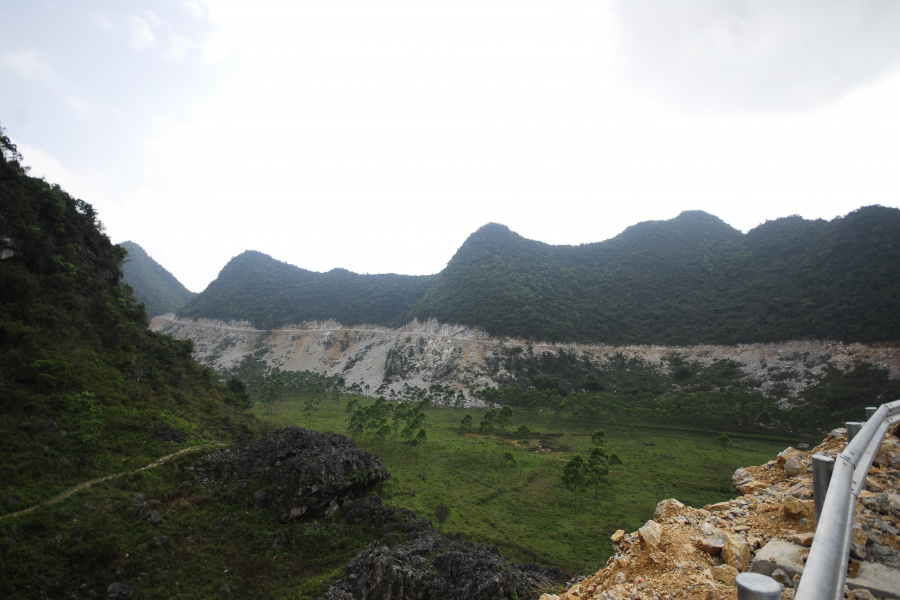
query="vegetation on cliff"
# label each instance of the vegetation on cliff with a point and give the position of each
(257, 288)
(689, 280)
(153, 285)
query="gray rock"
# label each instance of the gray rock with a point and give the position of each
(155, 519)
(881, 581)
(167, 433)
(885, 555)
(119, 591)
(433, 566)
(303, 472)
(370, 509)
(141, 510)
(779, 554)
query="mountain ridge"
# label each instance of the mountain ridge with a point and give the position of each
(689, 280)
(156, 287)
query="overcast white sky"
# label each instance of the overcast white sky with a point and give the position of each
(377, 135)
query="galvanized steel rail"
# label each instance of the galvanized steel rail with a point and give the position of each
(826, 567)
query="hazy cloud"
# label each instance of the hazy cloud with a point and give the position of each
(28, 65)
(78, 105)
(142, 37)
(765, 56)
(103, 22)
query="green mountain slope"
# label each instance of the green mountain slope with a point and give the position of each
(267, 292)
(153, 285)
(83, 383)
(689, 280)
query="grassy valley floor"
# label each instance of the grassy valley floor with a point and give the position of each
(523, 508)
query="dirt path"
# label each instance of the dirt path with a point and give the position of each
(81, 486)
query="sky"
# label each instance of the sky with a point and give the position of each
(377, 136)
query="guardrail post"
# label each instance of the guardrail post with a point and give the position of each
(853, 428)
(870, 410)
(822, 468)
(756, 586)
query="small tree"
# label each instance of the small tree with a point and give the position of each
(384, 430)
(723, 442)
(572, 478)
(442, 513)
(598, 468)
(598, 438)
(270, 394)
(488, 422)
(420, 439)
(310, 404)
(504, 417)
(508, 459)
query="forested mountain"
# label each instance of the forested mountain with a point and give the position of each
(689, 280)
(255, 287)
(82, 379)
(153, 285)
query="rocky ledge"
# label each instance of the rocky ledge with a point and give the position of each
(686, 552)
(431, 565)
(294, 471)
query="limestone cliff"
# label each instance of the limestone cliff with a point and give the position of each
(467, 359)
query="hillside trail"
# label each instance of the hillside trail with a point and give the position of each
(81, 486)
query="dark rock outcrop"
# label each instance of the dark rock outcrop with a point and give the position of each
(298, 472)
(437, 566)
(168, 433)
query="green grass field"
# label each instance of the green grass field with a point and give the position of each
(524, 510)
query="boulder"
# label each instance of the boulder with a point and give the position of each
(736, 553)
(744, 483)
(302, 472)
(667, 508)
(888, 455)
(786, 454)
(433, 566)
(858, 540)
(795, 508)
(650, 534)
(711, 546)
(780, 554)
(119, 591)
(803, 539)
(793, 466)
(167, 433)
(782, 578)
(617, 536)
(724, 573)
(370, 509)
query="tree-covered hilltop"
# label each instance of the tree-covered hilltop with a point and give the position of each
(83, 383)
(689, 280)
(153, 285)
(255, 287)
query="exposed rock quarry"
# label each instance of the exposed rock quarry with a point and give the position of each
(467, 359)
(695, 553)
(300, 472)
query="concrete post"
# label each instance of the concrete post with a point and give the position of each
(853, 428)
(756, 586)
(822, 467)
(870, 410)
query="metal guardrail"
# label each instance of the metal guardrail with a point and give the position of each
(826, 567)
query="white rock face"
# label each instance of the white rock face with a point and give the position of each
(468, 359)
